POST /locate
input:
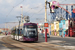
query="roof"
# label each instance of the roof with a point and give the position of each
(30, 24)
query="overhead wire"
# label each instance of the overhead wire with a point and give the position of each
(33, 8)
(37, 12)
(9, 12)
(17, 5)
(12, 9)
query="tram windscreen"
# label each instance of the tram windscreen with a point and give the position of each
(30, 31)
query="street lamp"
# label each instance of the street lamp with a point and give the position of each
(19, 19)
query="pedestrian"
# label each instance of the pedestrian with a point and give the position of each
(63, 31)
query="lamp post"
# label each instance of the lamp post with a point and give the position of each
(45, 10)
(21, 13)
(19, 19)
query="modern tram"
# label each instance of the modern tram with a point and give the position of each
(27, 32)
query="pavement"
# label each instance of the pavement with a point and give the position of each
(62, 37)
(1, 36)
(57, 40)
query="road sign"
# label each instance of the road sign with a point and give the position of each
(46, 25)
(73, 11)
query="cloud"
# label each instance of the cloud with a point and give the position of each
(9, 1)
(0, 1)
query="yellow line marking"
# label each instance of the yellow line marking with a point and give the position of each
(4, 45)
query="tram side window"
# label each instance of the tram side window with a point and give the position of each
(36, 32)
(24, 31)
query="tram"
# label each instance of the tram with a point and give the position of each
(28, 32)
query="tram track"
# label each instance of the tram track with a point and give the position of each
(34, 46)
(3, 40)
(18, 43)
(27, 45)
(24, 44)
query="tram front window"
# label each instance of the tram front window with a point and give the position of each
(30, 31)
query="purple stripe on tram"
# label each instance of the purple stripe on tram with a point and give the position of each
(30, 24)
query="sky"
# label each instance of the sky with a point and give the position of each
(35, 9)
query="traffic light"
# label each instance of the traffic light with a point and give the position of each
(53, 5)
(56, 4)
(56, 7)
(52, 9)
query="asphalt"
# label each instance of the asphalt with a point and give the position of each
(66, 41)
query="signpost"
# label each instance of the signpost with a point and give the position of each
(46, 26)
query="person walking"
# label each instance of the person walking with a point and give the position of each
(63, 31)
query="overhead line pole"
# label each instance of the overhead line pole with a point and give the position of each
(21, 13)
(19, 19)
(45, 20)
(45, 10)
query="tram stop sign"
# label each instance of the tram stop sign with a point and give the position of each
(46, 25)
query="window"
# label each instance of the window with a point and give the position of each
(32, 31)
(29, 31)
(24, 31)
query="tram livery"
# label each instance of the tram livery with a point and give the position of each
(29, 32)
